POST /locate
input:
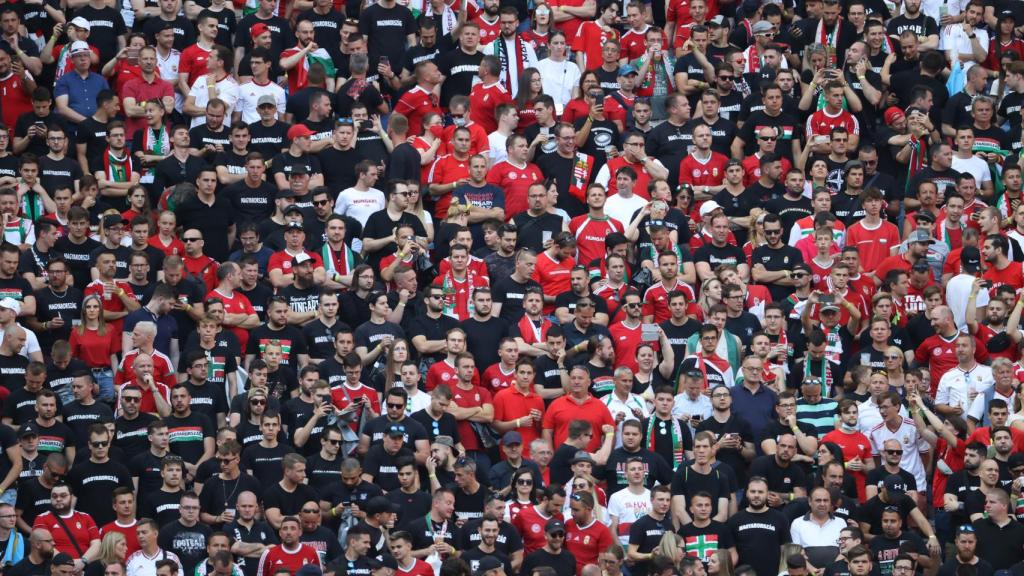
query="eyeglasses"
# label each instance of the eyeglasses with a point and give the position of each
(396, 406)
(310, 511)
(257, 402)
(321, 202)
(131, 399)
(894, 452)
(768, 138)
(720, 395)
(100, 444)
(191, 239)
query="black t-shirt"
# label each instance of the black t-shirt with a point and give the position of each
(482, 339)
(759, 537)
(280, 34)
(884, 549)
(188, 542)
(320, 472)
(339, 168)
(92, 484)
(380, 225)
(563, 562)
(774, 260)
(93, 134)
(720, 482)
(290, 338)
(20, 406)
(56, 174)
(265, 463)
(187, 435)
(560, 170)
(106, 25)
(145, 466)
(130, 435)
(730, 456)
(532, 229)
(715, 256)
(80, 417)
(78, 258)
(209, 398)
(381, 465)
(445, 426)
(211, 220)
(787, 126)
(219, 495)
(33, 500)
(386, 30)
(184, 31)
(26, 568)
(646, 533)
(603, 133)
(268, 140)
(288, 503)
(697, 538)
(460, 71)
(871, 511)
(789, 211)
(782, 480)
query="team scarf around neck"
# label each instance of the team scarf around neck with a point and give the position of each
(829, 39)
(156, 142)
(528, 330)
(944, 233)
(582, 166)
(451, 292)
(825, 376)
(677, 439)
(117, 169)
(521, 58)
(348, 259)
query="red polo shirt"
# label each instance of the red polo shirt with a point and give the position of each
(564, 410)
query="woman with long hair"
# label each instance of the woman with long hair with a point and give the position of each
(95, 344)
(827, 453)
(540, 30)
(651, 374)
(138, 205)
(587, 483)
(113, 550)
(817, 175)
(710, 294)
(531, 87)
(579, 106)
(416, 209)
(894, 368)
(755, 233)
(611, 560)
(522, 493)
(396, 356)
(671, 546)
(560, 75)
(253, 409)
(720, 563)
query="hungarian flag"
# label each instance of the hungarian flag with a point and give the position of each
(298, 77)
(216, 369)
(703, 546)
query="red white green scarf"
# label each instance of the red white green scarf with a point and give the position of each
(676, 433)
(117, 169)
(156, 142)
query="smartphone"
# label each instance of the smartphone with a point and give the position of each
(132, 55)
(545, 236)
(649, 333)
(385, 60)
(826, 299)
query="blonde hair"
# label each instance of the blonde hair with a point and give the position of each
(108, 548)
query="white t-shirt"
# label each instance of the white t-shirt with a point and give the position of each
(227, 90)
(627, 508)
(250, 92)
(913, 445)
(975, 167)
(559, 79)
(957, 291)
(955, 386)
(359, 205)
(954, 41)
(622, 209)
(497, 142)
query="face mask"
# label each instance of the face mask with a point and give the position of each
(847, 428)
(459, 121)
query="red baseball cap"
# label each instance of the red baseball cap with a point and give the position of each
(298, 131)
(258, 29)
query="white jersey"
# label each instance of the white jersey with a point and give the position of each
(958, 385)
(168, 67)
(250, 92)
(227, 90)
(138, 564)
(626, 507)
(912, 443)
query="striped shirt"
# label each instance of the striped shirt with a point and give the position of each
(821, 415)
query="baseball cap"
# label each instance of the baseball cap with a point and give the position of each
(299, 130)
(924, 216)
(709, 207)
(385, 561)
(830, 306)
(892, 114)
(258, 29)
(79, 22)
(554, 525)
(114, 220)
(761, 27)
(970, 260)
(296, 169)
(717, 21)
(11, 304)
(79, 47)
(62, 559)
(301, 257)
(627, 69)
(396, 430)
(894, 485)
(444, 440)
(27, 430)
(581, 456)
(266, 100)
(511, 437)
(380, 504)
(486, 564)
(920, 235)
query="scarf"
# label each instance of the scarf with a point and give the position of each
(676, 434)
(825, 376)
(529, 331)
(944, 234)
(1006, 205)
(918, 158)
(155, 142)
(348, 259)
(521, 58)
(582, 166)
(753, 64)
(829, 39)
(117, 169)
(451, 294)
(834, 345)
(647, 87)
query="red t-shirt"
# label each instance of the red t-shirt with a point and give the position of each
(175, 248)
(590, 235)
(590, 38)
(940, 355)
(238, 303)
(458, 294)
(341, 400)
(276, 557)
(515, 181)
(476, 396)
(585, 543)
(414, 105)
(93, 349)
(642, 177)
(625, 340)
(571, 26)
(16, 101)
(488, 30)
(131, 536)
(510, 403)
(282, 260)
(530, 524)
(1012, 275)
(444, 373)
(163, 369)
(752, 168)
(484, 100)
(445, 170)
(853, 446)
(553, 276)
(495, 380)
(873, 245)
(111, 302)
(203, 268)
(710, 172)
(478, 142)
(80, 526)
(193, 62)
(418, 568)
(565, 409)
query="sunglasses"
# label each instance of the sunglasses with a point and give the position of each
(321, 202)
(892, 357)
(632, 305)
(131, 399)
(557, 535)
(894, 452)
(768, 138)
(191, 239)
(332, 441)
(310, 511)
(100, 444)
(773, 232)
(524, 482)
(396, 406)
(257, 402)
(226, 460)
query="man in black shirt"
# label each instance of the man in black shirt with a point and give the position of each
(381, 459)
(84, 411)
(252, 197)
(192, 433)
(774, 261)
(187, 536)
(758, 530)
(251, 536)
(94, 479)
(553, 553)
(40, 552)
(646, 532)
(286, 497)
(461, 65)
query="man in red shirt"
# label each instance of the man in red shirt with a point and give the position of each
(592, 228)
(830, 118)
(998, 267)
(193, 59)
(148, 86)
(459, 283)
(938, 351)
(279, 267)
(16, 87)
(592, 34)
(126, 522)
(117, 296)
(450, 171)
(767, 142)
(578, 404)
(635, 156)
(199, 265)
(703, 167)
(519, 408)
(239, 315)
(514, 175)
(470, 403)
(585, 536)
(626, 332)
(71, 524)
(875, 238)
(656, 297)
(488, 94)
(444, 372)
(421, 99)
(554, 266)
(917, 249)
(290, 554)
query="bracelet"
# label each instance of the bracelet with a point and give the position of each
(790, 496)
(517, 422)
(609, 434)
(432, 476)
(46, 325)
(188, 307)
(399, 304)
(401, 255)
(120, 292)
(334, 512)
